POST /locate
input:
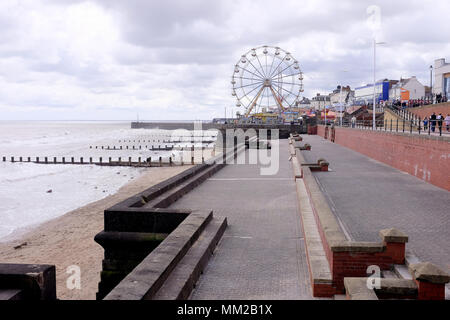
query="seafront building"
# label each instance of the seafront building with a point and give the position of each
(320, 101)
(304, 103)
(441, 78)
(407, 89)
(346, 95)
(364, 94)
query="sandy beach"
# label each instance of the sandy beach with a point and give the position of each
(69, 239)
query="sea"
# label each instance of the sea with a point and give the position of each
(31, 193)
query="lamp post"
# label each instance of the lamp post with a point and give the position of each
(374, 80)
(431, 83)
(340, 104)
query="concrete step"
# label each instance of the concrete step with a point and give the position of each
(182, 279)
(11, 294)
(401, 270)
(388, 274)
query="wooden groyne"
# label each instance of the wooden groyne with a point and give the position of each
(210, 140)
(100, 161)
(152, 147)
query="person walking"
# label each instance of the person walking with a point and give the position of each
(447, 122)
(425, 124)
(440, 120)
(433, 122)
(353, 121)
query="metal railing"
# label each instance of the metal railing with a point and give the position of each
(412, 126)
(405, 115)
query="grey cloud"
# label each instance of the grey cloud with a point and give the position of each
(175, 58)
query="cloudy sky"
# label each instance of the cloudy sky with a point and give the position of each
(173, 59)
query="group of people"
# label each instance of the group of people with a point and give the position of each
(411, 103)
(436, 120)
(441, 98)
(438, 98)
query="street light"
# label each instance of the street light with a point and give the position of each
(431, 83)
(374, 79)
(340, 103)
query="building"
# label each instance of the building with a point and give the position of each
(304, 103)
(347, 96)
(407, 89)
(320, 101)
(364, 94)
(441, 78)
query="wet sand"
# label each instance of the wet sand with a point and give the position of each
(69, 239)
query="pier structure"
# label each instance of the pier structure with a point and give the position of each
(284, 130)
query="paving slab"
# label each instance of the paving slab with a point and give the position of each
(261, 255)
(367, 196)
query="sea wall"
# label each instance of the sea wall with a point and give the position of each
(425, 157)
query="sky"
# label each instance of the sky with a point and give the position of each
(173, 59)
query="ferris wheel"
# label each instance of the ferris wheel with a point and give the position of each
(266, 79)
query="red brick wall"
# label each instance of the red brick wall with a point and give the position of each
(427, 111)
(321, 130)
(421, 156)
(430, 291)
(355, 264)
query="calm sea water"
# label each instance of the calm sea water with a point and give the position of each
(24, 200)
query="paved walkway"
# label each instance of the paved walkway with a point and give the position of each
(261, 255)
(367, 195)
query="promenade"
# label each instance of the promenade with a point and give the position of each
(262, 254)
(367, 196)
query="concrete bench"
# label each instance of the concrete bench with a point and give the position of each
(27, 282)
